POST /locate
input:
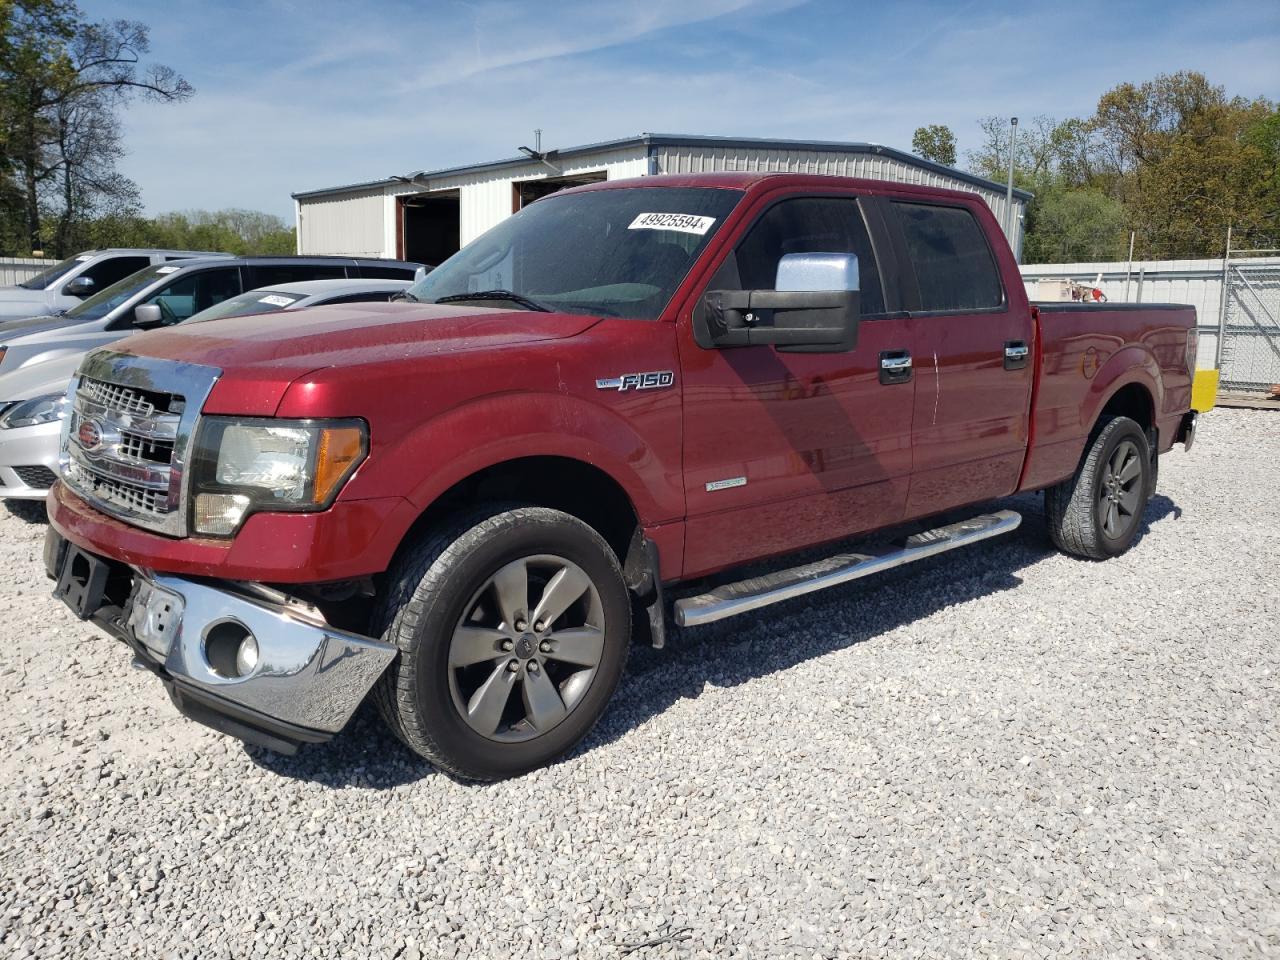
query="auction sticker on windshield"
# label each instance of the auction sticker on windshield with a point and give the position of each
(679, 222)
(277, 301)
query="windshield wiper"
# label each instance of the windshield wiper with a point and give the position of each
(405, 295)
(507, 295)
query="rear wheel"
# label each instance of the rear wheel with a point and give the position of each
(513, 628)
(1096, 513)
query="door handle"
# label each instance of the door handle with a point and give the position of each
(895, 366)
(1015, 354)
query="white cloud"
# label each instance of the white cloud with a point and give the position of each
(336, 96)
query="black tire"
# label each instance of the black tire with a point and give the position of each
(438, 583)
(1090, 514)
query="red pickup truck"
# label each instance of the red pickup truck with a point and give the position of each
(463, 504)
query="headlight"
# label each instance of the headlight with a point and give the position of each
(28, 413)
(242, 466)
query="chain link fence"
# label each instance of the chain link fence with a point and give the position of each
(1249, 349)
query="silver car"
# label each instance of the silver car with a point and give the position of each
(178, 289)
(63, 285)
(33, 397)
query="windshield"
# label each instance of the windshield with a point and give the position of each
(104, 301)
(255, 301)
(611, 253)
(46, 277)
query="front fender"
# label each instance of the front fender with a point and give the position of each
(495, 429)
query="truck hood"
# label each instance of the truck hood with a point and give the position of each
(38, 379)
(21, 302)
(29, 325)
(259, 356)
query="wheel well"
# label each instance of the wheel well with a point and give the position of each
(577, 488)
(1132, 401)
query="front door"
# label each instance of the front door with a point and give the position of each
(783, 450)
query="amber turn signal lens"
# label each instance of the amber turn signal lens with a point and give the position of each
(339, 450)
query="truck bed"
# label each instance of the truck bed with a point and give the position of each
(1086, 352)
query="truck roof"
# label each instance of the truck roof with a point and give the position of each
(747, 180)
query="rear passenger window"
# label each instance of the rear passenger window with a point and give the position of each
(805, 225)
(952, 260)
(386, 273)
(272, 275)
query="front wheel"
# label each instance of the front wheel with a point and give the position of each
(1097, 511)
(513, 628)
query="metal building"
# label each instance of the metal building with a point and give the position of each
(426, 216)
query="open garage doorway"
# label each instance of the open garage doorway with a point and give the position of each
(430, 227)
(524, 192)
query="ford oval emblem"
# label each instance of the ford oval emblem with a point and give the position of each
(89, 435)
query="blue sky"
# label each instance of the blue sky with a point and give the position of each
(297, 94)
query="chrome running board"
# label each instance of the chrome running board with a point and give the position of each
(746, 595)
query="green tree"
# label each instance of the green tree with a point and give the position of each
(935, 142)
(1072, 224)
(231, 231)
(1187, 161)
(62, 81)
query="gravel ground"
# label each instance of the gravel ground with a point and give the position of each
(1008, 753)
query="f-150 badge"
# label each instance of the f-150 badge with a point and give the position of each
(637, 381)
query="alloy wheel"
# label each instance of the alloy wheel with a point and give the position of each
(526, 648)
(1120, 492)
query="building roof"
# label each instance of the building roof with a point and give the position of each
(652, 140)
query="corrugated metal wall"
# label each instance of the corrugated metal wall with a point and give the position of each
(16, 269)
(486, 196)
(349, 223)
(709, 159)
(364, 222)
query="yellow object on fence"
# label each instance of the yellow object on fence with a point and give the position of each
(1204, 390)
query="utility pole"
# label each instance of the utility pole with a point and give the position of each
(1008, 195)
(1222, 303)
(1128, 267)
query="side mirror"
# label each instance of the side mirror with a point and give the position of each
(813, 308)
(147, 315)
(79, 287)
(421, 273)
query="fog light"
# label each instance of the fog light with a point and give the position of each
(220, 513)
(230, 649)
(247, 656)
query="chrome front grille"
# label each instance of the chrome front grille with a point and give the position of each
(128, 497)
(126, 437)
(122, 399)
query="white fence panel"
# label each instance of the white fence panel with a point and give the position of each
(16, 269)
(1197, 282)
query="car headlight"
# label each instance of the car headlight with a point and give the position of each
(37, 410)
(245, 465)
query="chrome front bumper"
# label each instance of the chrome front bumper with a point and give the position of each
(305, 682)
(307, 674)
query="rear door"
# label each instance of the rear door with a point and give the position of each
(784, 450)
(971, 354)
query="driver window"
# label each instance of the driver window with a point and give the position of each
(194, 292)
(113, 269)
(803, 225)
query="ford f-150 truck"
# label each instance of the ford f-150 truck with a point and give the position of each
(589, 421)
